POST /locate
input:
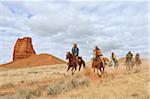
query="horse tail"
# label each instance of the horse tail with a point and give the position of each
(83, 63)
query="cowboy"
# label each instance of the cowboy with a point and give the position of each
(129, 56)
(98, 54)
(113, 57)
(137, 58)
(75, 52)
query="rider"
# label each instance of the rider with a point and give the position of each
(113, 57)
(129, 56)
(75, 52)
(98, 54)
(137, 58)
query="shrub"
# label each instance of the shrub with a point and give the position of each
(59, 87)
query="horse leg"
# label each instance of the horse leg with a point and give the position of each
(79, 67)
(114, 63)
(75, 68)
(72, 70)
(132, 64)
(138, 67)
(127, 67)
(83, 63)
(68, 68)
(97, 72)
(100, 69)
(117, 64)
(103, 69)
(94, 69)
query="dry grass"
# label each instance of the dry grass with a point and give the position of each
(26, 75)
(52, 82)
(133, 86)
(65, 86)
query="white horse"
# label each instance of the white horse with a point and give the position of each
(114, 63)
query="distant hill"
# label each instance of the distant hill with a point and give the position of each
(34, 60)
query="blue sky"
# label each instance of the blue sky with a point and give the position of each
(117, 26)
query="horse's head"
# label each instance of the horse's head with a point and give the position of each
(106, 59)
(68, 55)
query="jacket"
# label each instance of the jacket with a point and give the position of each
(75, 51)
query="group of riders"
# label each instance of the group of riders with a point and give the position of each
(130, 61)
(99, 60)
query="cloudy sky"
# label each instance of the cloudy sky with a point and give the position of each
(117, 26)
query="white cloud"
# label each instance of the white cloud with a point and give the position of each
(54, 26)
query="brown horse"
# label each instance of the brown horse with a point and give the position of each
(129, 64)
(99, 65)
(137, 61)
(80, 62)
(73, 62)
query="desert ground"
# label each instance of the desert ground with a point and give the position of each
(53, 82)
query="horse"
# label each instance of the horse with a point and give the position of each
(129, 64)
(114, 63)
(137, 61)
(99, 65)
(73, 62)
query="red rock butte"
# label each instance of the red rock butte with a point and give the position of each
(23, 48)
(24, 56)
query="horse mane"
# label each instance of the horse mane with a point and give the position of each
(70, 54)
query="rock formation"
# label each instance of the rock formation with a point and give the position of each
(34, 61)
(23, 48)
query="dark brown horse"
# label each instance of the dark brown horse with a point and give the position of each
(73, 62)
(80, 62)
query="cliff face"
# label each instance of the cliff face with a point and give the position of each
(23, 48)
